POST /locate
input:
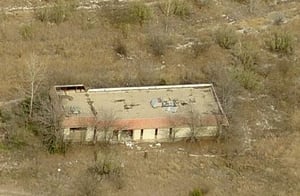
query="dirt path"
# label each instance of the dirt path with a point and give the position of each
(12, 192)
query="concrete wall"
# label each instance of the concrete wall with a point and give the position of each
(89, 134)
(163, 134)
(66, 132)
(207, 131)
(148, 134)
(182, 132)
(75, 135)
(137, 134)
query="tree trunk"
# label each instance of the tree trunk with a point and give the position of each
(31, 99)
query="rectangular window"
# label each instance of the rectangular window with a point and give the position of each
(170, 132)
(156, 132)
(142, 133)
(78, 129)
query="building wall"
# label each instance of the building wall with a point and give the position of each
(182, 132)
(89, 134)
(207, 131)
(136, 134)
(163, 134)
(75, 135)
(149, 134)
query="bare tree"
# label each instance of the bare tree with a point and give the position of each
(32, 78)
(48, 117)
(165, 7)
(105, 123)
(175, 123)
(194, 122)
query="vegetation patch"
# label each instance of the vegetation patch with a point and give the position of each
(226, 37)
(179, 8)
(58, 13)
(27, 32)
(281, 41)
(247, 78)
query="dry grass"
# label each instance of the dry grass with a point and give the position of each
(83, 49)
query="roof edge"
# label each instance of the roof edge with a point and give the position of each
(149, 87)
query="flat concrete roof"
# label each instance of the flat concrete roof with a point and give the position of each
(199, 99)
(135, 102)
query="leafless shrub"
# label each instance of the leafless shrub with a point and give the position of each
(87, 185)
(278, 18)
(202, 3)
(107, 166)
(200, 47)
(120, 48)
(158, 44)
(27, 32)
(175, 7)
(226, 86)
(295, 120)
(57, 14)
(134, 13)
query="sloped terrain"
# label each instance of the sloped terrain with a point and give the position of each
(248, 49)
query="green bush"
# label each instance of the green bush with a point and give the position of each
(196, 192)
(247, 78)
(226, 37)
(57, 14)
(282, 42)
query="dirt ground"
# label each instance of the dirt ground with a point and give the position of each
(270, 168)
(260, 155)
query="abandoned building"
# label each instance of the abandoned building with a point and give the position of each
(145, 114)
